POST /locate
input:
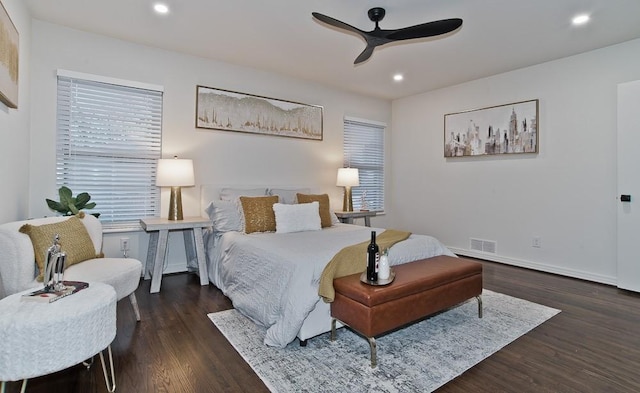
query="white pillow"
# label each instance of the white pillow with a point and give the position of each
(232, 194)
(297, 218)
(225, 216)
(288, 196)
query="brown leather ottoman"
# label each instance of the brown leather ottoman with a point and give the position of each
(420, 288)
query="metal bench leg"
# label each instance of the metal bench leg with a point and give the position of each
(479, 299)
(333, 330)
(372, 343)
(374, 354)
(111, 388)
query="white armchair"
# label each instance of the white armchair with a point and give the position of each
(18, 269)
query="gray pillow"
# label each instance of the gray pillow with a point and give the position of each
(225, 216)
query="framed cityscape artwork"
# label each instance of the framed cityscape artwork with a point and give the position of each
(503, 129)
(232, 111)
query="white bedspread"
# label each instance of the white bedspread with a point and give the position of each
(273, 278)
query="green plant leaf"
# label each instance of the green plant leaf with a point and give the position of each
(90, 205)
(82, 199)
(65, 193)
(73, 209)
(53, 205)
(66, 200)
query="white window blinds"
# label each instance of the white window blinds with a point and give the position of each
(108, 141)
(364, 149)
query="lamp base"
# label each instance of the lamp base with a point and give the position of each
(347, 203)
(175, 204)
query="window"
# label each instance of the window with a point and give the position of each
(364, 149)
(108, 142)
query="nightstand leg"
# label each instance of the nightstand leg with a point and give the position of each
(151, 254)
(158, 263)
(200, 256)
(189, 247)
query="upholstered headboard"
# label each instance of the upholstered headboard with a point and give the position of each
(209, 192)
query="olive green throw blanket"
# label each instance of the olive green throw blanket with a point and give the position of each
(353, 259)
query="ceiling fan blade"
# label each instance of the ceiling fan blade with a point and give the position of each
(428, 29)
(366, 54)
(336, 23)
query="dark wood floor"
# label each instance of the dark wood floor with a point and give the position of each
(593, 345)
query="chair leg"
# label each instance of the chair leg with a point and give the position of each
(22, 390)
(134, 303)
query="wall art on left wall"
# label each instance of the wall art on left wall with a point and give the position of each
(231, 111)
(9, 49)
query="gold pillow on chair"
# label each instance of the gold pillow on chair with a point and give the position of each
(258, 213)
(75, 241)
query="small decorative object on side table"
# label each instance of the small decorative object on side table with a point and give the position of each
(193, 241)
(347, 217)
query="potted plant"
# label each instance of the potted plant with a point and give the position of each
(69, 205)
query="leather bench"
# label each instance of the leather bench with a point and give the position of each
(420, 288)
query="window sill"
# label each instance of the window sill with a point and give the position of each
(107, 228)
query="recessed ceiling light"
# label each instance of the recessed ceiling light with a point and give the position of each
(580, 19)
(161, 8)
(398, 77)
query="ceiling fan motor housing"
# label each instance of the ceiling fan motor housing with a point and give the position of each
(376, 14)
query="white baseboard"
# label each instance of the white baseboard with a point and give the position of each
(537, 266)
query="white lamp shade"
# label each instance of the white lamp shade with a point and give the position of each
(173, 172)
(348, 177)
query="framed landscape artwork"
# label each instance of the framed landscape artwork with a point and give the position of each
(503, 129)
(231, 111)
(8, 60)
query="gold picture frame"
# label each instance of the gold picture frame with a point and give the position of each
(9, 51)
(226, 110)
(495, 130)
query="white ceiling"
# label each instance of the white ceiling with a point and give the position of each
(282, 36)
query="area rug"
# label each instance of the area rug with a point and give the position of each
(418, 358)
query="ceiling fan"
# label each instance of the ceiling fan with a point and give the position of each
(378, 36)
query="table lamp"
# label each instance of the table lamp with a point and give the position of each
(347, 178)
(175, 173)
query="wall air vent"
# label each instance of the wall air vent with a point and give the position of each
(485, 246)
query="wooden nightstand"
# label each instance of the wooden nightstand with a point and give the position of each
(347, 217)
(159, 234)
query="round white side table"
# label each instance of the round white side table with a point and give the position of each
(42, 338)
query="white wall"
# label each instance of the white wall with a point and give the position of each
(220, 157)
(14, 126)
(566, 194)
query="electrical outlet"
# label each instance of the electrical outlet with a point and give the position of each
(536, 242)
(124, 244)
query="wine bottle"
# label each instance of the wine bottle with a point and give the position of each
(373, 253)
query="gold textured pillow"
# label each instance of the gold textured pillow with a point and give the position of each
(74, 241)
(323, 200)
(258, 213)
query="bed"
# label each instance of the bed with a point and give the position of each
(272, 278)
